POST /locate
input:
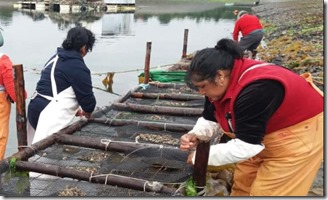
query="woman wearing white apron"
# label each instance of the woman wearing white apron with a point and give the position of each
(64, 89)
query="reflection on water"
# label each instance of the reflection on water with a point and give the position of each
(31, 37)
(117, 24)
(113, 23)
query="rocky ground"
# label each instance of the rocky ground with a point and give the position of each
(294, 32)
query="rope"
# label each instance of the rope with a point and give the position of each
(155, 186)
(153, 109)
(118, 72)
(161, 147)
(106, 179)
(111, 119)
(90, 176)
(182, 185)
(133, 70)
(137, 138)
(202, 192)
(157, 83)
(144, 86)
(106, 142)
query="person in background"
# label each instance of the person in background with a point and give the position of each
(7, 96)
(273, 116)
(64, 89)
(251, 30)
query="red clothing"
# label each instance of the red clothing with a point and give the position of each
(246, 24)
(6, 76)
(299, 94)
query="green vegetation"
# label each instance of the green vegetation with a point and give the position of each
(191, 187)
(20, 177)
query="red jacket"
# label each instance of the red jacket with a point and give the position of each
(6, 76)
(300, 103)
(246, 24)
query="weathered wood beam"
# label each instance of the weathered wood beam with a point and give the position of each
(179, 97)
(110, 179)
(151, 124)
(158, 109)
(107, 144)
(167, 85)
(42, 144)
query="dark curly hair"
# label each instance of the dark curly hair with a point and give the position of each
(207, 61)
(77, 37)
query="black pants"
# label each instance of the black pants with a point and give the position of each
(251, 41)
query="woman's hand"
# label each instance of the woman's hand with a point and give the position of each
(81, 113)
(190, 157)
(188, 141)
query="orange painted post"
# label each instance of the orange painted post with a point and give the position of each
(185, 42)
(20, 106)
(147, 62)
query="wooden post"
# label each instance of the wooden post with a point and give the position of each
(200, 165)
(20, 106)
(147, 61)
(185, 42)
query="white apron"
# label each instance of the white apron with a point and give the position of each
(60, 111)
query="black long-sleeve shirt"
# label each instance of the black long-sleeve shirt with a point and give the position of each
(70, 71)
(253, 108)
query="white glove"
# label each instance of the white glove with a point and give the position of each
(231, 152)
(205, 129)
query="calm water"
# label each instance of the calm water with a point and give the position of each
(32, 37)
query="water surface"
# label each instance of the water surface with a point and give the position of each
(32, 37)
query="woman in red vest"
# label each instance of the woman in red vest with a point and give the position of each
(272, 116)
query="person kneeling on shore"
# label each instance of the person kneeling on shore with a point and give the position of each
(252, 32)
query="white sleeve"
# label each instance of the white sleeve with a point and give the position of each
(205, 129)
(232, 152)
